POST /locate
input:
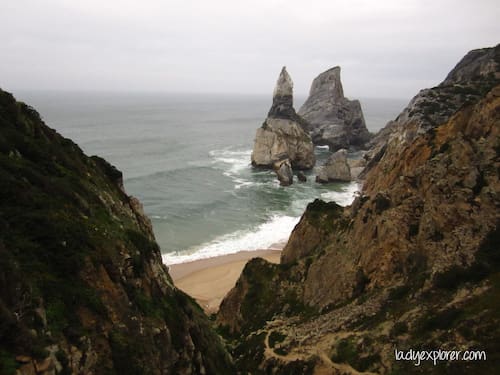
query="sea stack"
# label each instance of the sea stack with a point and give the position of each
(281, 143)
(333, 119)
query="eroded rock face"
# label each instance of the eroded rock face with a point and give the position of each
(280, 139)
(332, 119)
(83, 289)
(282, 135)
(467, 83)
(336, 168)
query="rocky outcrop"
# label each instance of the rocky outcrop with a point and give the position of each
(412, 263)
(332, 119)
(82, 286)
(466, 84)
(284, 172)
(335, 169)
(282, 137)
(301, 176)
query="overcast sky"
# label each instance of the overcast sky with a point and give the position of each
(385, 48)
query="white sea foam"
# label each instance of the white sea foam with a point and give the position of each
(234, 163)
(276, 230)
(236, 160)
(344, 197)
(323, 147)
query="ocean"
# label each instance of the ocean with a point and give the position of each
(187, 158)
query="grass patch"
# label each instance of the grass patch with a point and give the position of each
(8, 364)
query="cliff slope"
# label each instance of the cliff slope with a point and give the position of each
(333, 119)
(467, 83)
(82, 286)
(413, 263)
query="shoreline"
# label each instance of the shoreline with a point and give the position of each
(209, 280)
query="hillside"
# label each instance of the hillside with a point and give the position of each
(82, 285)
(413, 263)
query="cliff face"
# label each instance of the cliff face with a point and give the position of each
(467, 83)
(413, 263)
(332, 119)
(82, 285)
(282, 140)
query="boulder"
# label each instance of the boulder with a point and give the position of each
(332, 119)
(301, 176)
(284, 172)
(335, 169)
(282, 135)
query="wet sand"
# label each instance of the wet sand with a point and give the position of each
(209, 280)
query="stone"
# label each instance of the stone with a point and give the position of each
(301, 176)
(282, 135)
(284, 172)
(332, 119)
(336, 168)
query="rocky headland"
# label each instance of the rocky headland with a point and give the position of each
(83, 289)
(331, 118)
(281, 143)
(413, 263)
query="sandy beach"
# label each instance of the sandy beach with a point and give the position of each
(209, 280)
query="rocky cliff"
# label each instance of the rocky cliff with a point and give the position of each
(281, 142)
(82, 286)
(413, 263)
(334, 120)
(467, 83)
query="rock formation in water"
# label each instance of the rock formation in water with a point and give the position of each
(332, 119)
(413, 263)
(281, 138)
(82, 286)
(284, 172)
(335, 169)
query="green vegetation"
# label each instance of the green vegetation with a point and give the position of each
(65, 225)
(399, 328)
(298, 367)
(127, 353)
(8, 364)
(323, 214)
(249, 352)
(275, 337)
(347, 352)
(265, 297)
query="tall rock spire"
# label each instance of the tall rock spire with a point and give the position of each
(281, 143)
(283, 97)
(333, 119)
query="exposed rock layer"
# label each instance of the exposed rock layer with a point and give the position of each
(413, 263)
(282, 135)
(82, 286)
(332, 119)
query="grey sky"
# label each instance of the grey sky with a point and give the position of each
(385, 48)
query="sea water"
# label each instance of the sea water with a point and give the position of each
(187, 158)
